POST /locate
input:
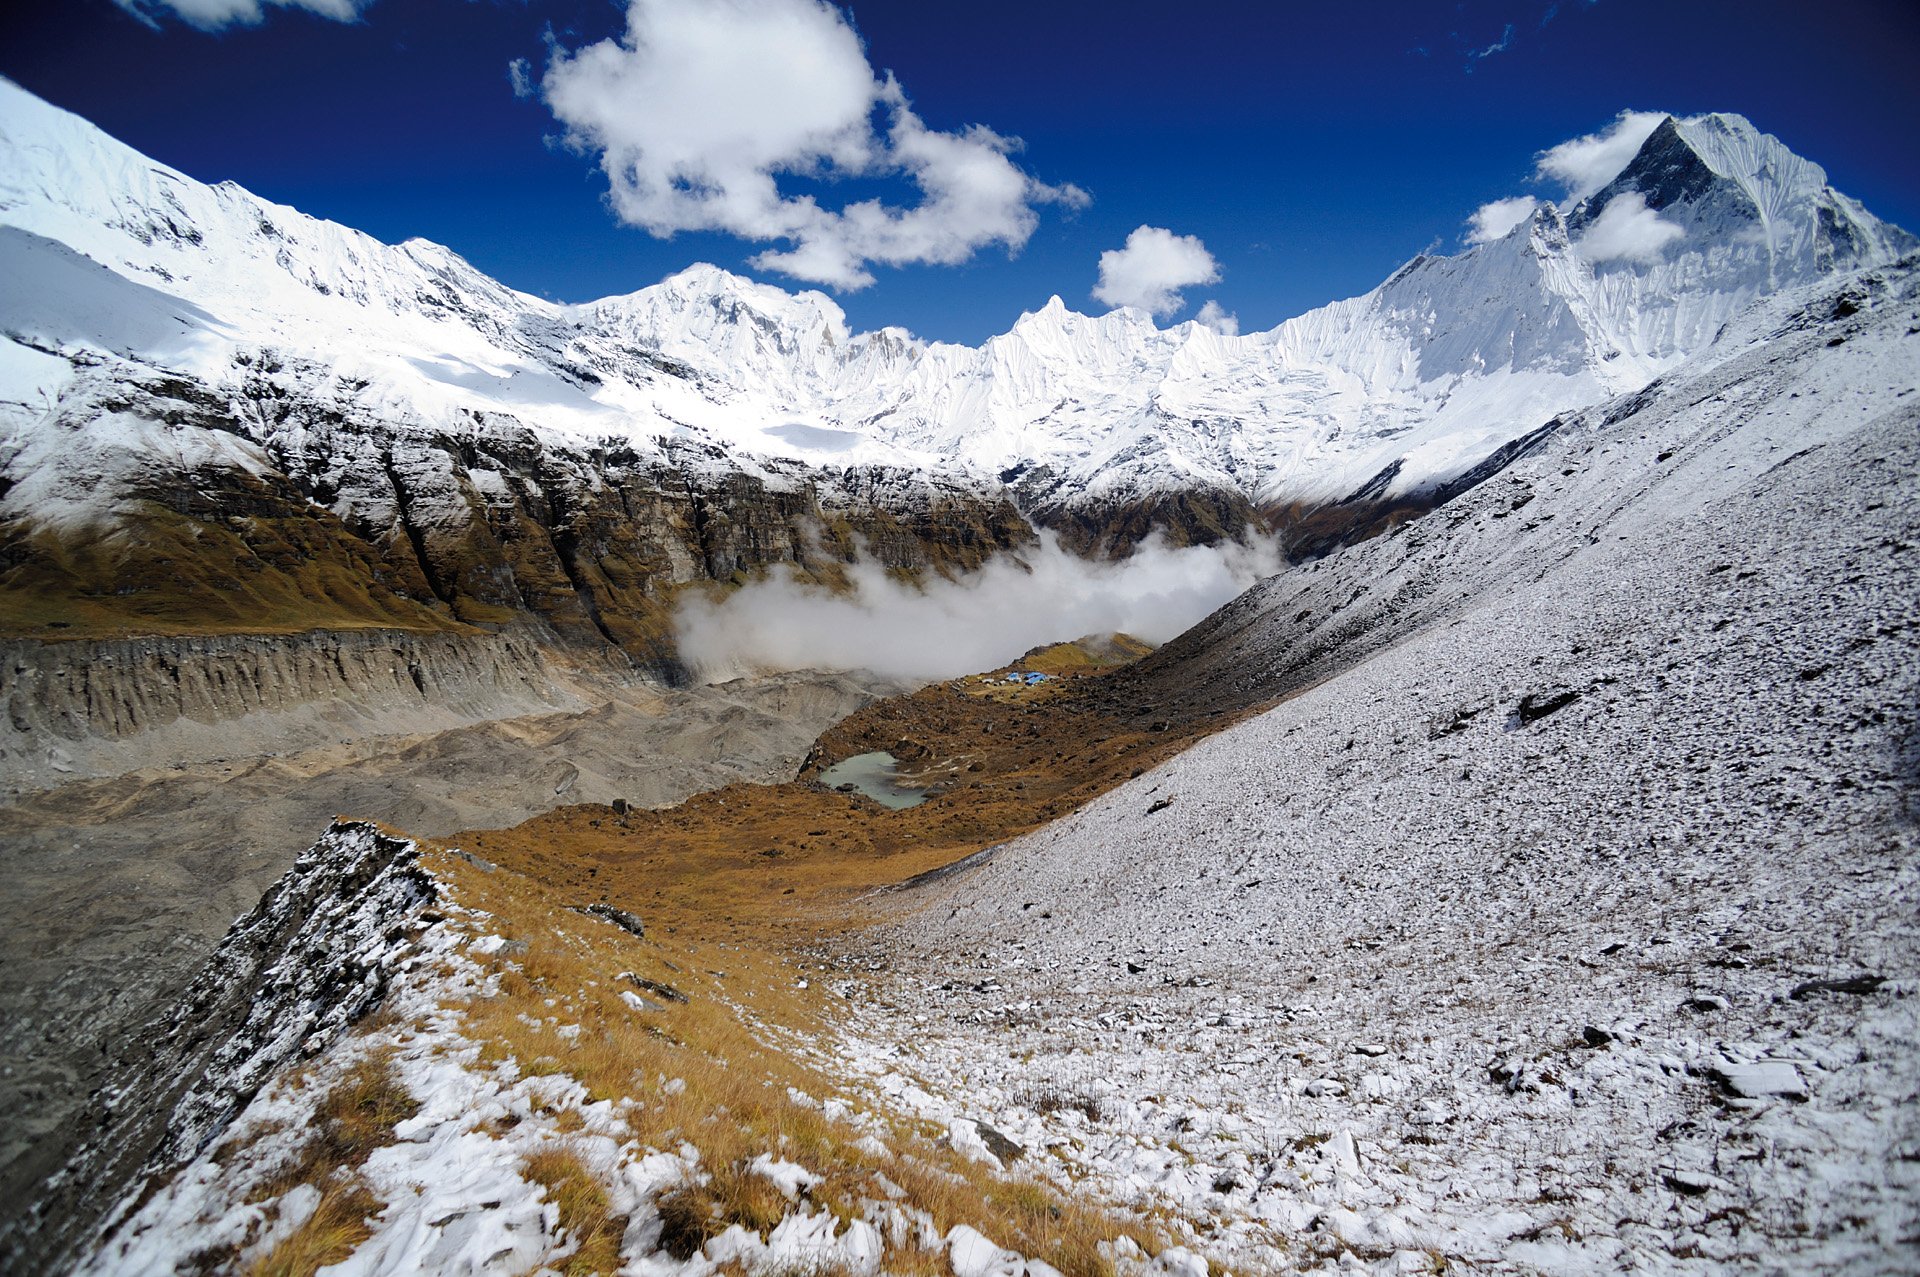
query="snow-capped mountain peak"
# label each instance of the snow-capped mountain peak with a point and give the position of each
(1447, 359)
(1719, 179)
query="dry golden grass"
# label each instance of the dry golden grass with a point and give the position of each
(917, 1263)
(338, 1225)
(273, 574)
(360, 1111)
(694, 1213)
(1028, 1215)
(712, 1072)
(689, 1220)
(1088, 655)
(588, 1220)
(350, 1120)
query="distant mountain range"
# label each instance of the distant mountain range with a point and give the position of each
(219, 413)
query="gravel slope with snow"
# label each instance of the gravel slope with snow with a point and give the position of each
(1563, 919)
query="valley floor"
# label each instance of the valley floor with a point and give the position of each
(1532, 889)
(1276, 1046)
(118, 886)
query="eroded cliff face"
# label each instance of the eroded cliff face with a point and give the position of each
(150, 504)
(173, 507)
(100, 707)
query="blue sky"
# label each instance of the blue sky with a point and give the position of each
(1309, 150)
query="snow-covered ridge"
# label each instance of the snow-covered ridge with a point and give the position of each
(311, 959)
(1444, 361)
(456, 1131)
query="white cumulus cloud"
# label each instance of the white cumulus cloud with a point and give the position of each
(1627, 230)
(1152, 268)
(700, 111)
(1493, 221)
(1585, 164)
(1218, 318)
(211, 15)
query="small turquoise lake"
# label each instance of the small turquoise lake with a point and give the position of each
(877, 776)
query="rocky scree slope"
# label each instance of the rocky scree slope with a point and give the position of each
(1560, 918)
(218, 412)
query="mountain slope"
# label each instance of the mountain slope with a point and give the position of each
(456, 453)
(1559, 916)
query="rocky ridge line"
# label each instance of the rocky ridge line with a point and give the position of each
(307, 963)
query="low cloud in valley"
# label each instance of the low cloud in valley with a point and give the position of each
(976, 622)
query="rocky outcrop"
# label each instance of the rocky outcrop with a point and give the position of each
(271, 511)
(310, 960)
(1114, 524)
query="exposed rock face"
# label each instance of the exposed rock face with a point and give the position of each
(311, 959)
(593, 539)
(1113, 525)
(268, 512)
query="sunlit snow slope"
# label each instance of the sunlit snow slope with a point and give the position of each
(107, 252)
(1558, 917)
